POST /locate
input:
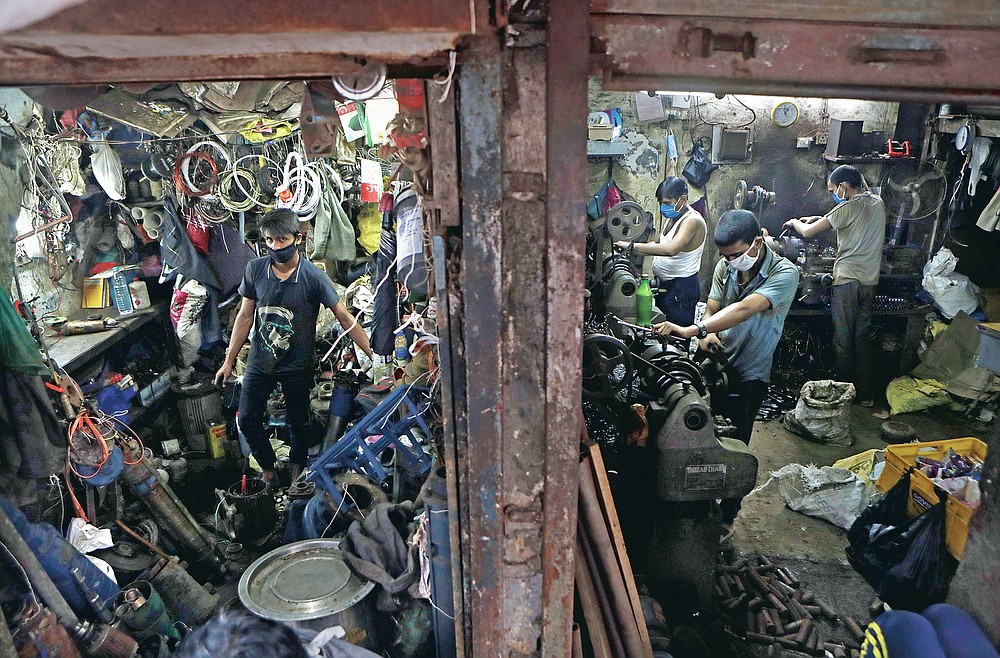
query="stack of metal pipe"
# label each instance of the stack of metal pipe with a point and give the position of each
(773, 607)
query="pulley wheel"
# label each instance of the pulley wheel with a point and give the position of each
(626, 221)
(740, 195)
(607, 366)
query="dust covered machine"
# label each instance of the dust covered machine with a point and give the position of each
(671, 460)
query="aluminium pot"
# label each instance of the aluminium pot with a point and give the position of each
(308, 584)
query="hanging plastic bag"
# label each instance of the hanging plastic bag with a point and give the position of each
(699, 166)
(952, 292)
(904, 560)
(107, 168)
(821, 414)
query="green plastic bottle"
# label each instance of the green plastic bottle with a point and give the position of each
(644, 303)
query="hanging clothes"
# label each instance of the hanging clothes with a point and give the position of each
(334, 233)
(32, 444)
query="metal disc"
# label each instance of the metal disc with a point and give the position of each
(626, 221)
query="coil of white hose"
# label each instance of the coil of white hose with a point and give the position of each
(222, 156)
(300, 189)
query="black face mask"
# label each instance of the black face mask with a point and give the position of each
(283, 255)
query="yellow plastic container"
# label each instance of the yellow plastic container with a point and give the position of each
(901, 456)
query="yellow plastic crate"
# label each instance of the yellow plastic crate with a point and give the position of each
(899, 457)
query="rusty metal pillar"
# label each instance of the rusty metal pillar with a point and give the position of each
(511, 329)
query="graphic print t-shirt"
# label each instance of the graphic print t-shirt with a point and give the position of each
(283, 338)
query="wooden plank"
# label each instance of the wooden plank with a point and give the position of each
(591, 608)
(912, 12)
(600, 474)
(443, 199)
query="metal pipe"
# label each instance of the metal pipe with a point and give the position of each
(611, 625)
(37, 578)
(597, 626)
(577, 642)
(597, 529)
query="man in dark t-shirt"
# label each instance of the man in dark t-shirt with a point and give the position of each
(282, 293)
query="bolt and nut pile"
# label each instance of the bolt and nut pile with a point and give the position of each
(773, 607)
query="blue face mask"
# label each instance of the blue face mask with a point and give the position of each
(668, 211)
(837, 199)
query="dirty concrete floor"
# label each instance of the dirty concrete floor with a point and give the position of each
(811, 548)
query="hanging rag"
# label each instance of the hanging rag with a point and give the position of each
(334, 233)
(177, 251)
(980, 151)
(32, 443)
(385, 316)
(376, 549)
(990, 216)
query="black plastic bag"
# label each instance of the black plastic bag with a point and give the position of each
(904, 560)
(699, 167)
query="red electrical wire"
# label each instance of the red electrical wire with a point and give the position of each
(81, 424)
(179, 173)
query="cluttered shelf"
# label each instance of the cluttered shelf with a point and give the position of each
(916, 311)
(73, 352)
(840, 159)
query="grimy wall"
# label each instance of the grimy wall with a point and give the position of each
(798, 176)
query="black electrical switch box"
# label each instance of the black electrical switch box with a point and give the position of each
(845, 138)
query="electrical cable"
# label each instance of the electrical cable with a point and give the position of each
(224, 189)
(183, 180)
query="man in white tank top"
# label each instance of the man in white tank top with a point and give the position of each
(677, 253)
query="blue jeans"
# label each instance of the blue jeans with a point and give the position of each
(677, 299)
(940, 631)
(257, 388)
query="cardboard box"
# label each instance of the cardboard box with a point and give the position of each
(600, 133)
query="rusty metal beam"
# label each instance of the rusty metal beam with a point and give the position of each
(566, 147)
(980, 13)
(281, 57)
(796, 58)
(522, 110)
(478, 313)
(262, 17)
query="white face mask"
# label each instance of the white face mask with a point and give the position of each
(745, 261)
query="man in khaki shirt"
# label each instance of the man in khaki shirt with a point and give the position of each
(859, 220)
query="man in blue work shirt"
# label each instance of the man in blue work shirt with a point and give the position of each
(752, 290)
(282, 294)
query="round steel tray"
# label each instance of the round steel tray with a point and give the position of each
(300, 581)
